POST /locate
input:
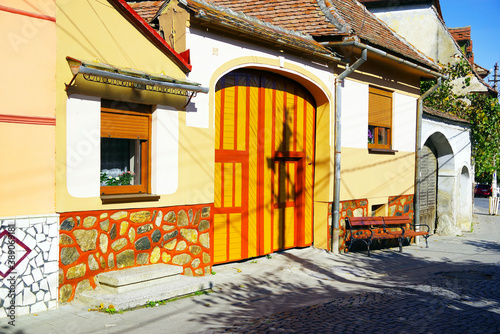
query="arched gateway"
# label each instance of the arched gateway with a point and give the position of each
(264, 165)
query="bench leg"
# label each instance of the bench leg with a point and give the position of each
(400, 240)
(426, 243)
(368, 243)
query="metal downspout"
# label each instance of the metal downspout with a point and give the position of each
(418, 150)
(334, 232)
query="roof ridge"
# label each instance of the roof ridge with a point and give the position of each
(334, 16)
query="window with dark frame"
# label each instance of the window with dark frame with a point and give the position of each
(379, 118)
(125, 148)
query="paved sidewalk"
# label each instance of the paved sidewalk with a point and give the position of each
(452, 286)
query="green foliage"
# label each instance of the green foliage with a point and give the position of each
(481, 110)
(123, 179)
(110, 310)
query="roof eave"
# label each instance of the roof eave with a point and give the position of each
(429, 70)
(238, 32)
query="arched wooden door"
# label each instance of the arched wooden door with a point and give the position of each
(264, 165)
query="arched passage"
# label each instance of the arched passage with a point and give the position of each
(264, 165)
(438, 184)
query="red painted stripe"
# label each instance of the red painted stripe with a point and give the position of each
(260, 166)
(25, 13)
(273, 149)
(28, 120)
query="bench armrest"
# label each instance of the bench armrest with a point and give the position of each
(423, 225)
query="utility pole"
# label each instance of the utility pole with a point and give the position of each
(496, 77)
(494, 201)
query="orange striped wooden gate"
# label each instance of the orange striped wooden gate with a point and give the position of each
(264, 165)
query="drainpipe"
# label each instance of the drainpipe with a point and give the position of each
(339, 82)
(418, 150)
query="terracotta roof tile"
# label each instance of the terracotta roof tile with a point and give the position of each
(146, 9)
(257, 29)
(329, 18)
(434, 112)
(253, 27)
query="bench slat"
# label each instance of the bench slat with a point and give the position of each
(368, 229)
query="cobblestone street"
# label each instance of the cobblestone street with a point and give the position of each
(461, 299)
(450, 287)
(451, 302)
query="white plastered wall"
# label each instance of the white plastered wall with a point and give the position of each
(452, 180)
(83, 162)
(354, 102)
(211, 52)
(421, 26)
(431, 37)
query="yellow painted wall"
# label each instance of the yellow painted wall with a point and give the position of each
(94, 30)
(27, 89)
(376, 176)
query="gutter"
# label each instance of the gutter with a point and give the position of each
(418, 151)
(339, 83)
(385, 55)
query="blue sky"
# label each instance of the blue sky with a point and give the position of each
(484, 18)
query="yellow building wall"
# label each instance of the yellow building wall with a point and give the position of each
(27, 94)
(376, 176)
(97, 31)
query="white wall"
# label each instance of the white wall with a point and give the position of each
(404, 122)
(83, 158)
(421, 26)
(354, 102)
(454, 186)
(83, 162)
(457, 136)
(210, 53)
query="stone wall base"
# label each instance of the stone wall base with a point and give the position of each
(93, 242)
(397, 206)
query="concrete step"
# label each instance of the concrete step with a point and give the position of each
(137, 278)
(176, 286)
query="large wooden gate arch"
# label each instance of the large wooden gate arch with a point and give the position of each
(264, 165)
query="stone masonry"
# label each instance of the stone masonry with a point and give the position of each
(33, 280)
(93, 242)
(398, 206)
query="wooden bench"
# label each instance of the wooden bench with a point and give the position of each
(367, 229)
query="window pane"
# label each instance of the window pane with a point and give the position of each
(120, 162)
(371, 134)
(382, 136)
